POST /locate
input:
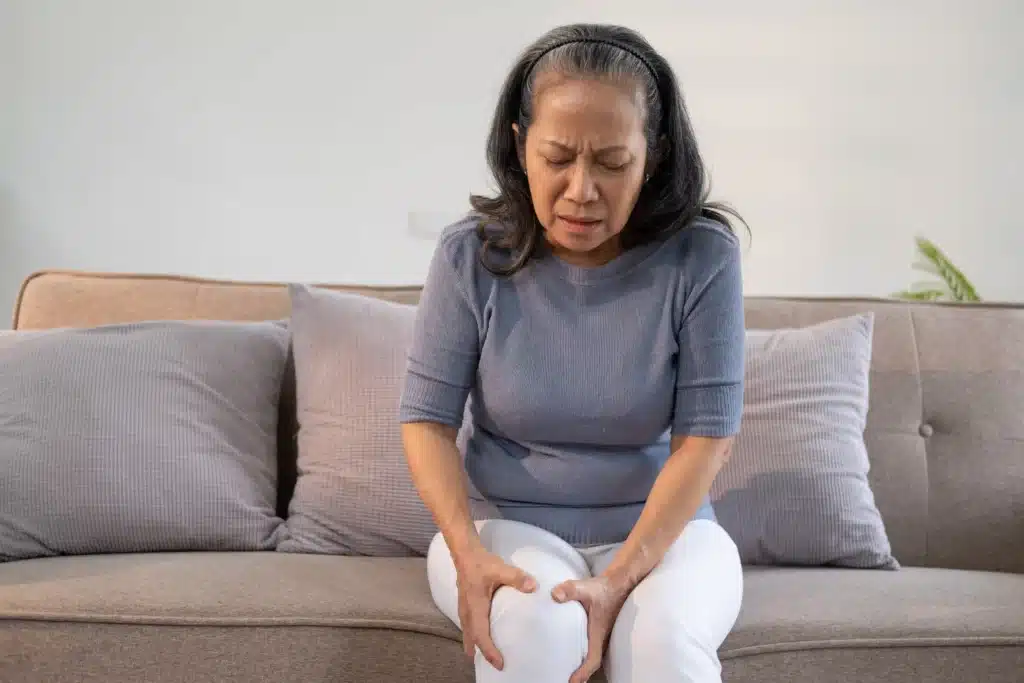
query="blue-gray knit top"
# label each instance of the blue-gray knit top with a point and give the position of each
(569, 381)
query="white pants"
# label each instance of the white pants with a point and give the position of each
(668, 631)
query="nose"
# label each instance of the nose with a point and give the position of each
(581, 189)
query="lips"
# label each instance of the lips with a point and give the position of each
(580, 222)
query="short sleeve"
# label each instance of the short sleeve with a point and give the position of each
(444, 351)
(711, 341)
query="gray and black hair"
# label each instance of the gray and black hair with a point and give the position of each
(677, 187)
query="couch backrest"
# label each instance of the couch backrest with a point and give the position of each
(945, 429)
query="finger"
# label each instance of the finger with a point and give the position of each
(565, 592)
(518, 579)
(482, 635)
(489, 650)
(588, 668)
(468, 648)
(596, 635)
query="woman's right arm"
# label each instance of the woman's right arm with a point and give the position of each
(437, 471)
(436, 467)
(442, 368)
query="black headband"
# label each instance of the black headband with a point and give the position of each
(602, 41)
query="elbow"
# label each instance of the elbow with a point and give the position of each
(718, 451)
(726, 449)
(715, 451)
(416, 428)
(422, 438)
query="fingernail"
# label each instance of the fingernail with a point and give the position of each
(558, 594)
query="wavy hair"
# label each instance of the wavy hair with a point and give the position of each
(677, 188)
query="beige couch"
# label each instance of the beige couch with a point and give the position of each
(946, 437)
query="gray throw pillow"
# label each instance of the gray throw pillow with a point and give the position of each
(795, 490)
(156, 436)
(354, 494)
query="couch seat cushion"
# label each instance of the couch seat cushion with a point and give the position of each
(915, 624)
(256, 617)
(787, 608)
(224, 588)
(275, 616)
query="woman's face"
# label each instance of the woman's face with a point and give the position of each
(585, 156)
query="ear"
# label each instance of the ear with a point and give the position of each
(520, 146)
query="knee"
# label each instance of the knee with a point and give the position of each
(678, 643)
(661, 635)
(533, 625)
(649, 645)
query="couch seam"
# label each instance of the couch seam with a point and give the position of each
(871, 643)
(927, 466)
(244, 622)
(372, 624)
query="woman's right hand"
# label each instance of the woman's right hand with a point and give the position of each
(480, 575)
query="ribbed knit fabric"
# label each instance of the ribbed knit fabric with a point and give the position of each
(578, 376)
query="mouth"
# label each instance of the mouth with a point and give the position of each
(579, 223)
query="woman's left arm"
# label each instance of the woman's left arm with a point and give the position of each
(677, 494)
(708, 406)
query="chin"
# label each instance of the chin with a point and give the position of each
(578, 242)
(587, 244)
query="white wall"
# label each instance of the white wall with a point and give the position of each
(281, 140)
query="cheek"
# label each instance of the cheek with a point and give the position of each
(545, 188)
(620, 193)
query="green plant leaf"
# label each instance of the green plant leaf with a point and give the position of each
(959, 286)
(921, 295)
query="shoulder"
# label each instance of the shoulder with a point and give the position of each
(459, 242)
(702, 256)
(705, 245)
(700, 251)
(457, 254)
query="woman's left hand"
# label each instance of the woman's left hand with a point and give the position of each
(602, 598)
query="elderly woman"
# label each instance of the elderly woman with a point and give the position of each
(592, 315)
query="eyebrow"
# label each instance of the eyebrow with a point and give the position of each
(605, 150)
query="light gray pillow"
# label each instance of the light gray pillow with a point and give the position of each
(354, 494)
(156, 436)
(795, 490)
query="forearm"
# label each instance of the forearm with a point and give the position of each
(677, 494)
(436, 468)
